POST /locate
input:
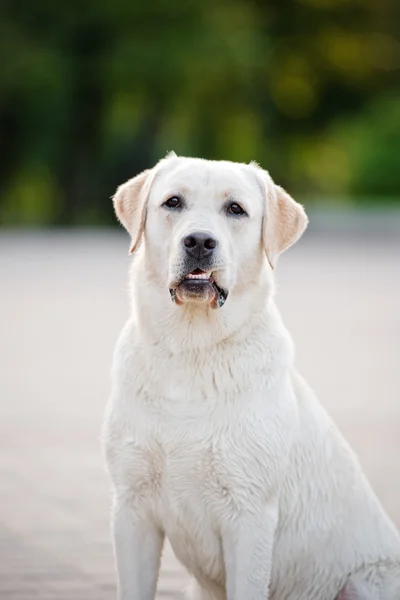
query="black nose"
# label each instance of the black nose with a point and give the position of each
(199, 244)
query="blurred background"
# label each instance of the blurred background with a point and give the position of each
(91, 93)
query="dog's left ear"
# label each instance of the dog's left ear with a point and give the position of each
(130, 204)
(284, 219)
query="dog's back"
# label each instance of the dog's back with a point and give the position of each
(331, 522)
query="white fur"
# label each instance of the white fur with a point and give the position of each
(212, 439)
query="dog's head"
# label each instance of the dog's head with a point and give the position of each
(208, 227)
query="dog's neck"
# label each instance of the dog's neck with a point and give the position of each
(200, 353)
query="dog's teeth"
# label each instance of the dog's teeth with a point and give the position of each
(197, 276)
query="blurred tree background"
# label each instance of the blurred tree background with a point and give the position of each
(93, 91)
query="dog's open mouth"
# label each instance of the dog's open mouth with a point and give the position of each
(199, 286)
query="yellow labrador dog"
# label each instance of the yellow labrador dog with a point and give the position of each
(211, 438)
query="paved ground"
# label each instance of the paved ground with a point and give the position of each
(62, 303)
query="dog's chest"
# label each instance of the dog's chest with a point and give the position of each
(196, 442)
(197, 487)
(194, 474)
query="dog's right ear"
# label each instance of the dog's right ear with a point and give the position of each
(130, 205)
(131, 198)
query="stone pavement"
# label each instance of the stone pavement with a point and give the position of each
(63, 300)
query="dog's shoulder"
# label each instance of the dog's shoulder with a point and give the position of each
(125, 348)
(123, 376)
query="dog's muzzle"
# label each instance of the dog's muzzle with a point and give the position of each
(197, 283)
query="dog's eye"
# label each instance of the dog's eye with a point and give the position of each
(235, 209)
(173, 202)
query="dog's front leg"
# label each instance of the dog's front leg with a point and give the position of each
(248, 541)
(138, 545)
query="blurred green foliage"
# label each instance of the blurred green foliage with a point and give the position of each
(92, 92)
